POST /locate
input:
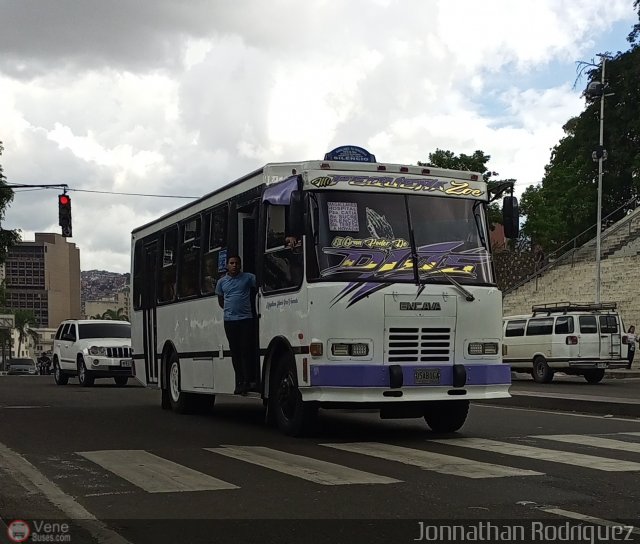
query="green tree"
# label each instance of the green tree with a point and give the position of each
(476, 162)
(565, 204)
(118, 315)
(25, 321)
(7, 237)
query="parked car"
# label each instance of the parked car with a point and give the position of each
(22, 365)
(92, 348)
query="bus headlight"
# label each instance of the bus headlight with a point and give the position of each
(344, 349)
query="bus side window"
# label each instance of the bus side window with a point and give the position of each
(214, 260)
(189, 264)
(167, 291)
(283, 260)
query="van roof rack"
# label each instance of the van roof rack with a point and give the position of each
(556, 307)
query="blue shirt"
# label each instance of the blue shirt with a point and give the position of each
(236, 291)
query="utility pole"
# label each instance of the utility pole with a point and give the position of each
(597, 89)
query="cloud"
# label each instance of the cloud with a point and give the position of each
(163, 97)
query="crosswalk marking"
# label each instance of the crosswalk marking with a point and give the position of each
(594, 441)
(530, 452)
(154, 474)
(307, 468)
(436, 462)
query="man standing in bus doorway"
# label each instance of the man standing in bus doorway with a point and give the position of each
(234, 292)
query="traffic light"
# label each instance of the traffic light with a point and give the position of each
(64, 214)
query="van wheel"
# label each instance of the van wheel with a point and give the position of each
(181, 402)
(293, 416)
(84, 376)
(60, 377)
(541, 371)
(594, 376)
(446, 416)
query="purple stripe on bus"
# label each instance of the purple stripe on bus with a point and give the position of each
(369, 375)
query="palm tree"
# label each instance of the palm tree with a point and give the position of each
(24, 321)
(117, 315)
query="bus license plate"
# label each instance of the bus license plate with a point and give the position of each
(602, 365)
(425, 376)
(125, 363)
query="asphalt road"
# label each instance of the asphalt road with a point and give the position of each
(129, 472)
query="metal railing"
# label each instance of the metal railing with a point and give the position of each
(568, 250)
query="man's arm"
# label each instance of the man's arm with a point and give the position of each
(221, 301)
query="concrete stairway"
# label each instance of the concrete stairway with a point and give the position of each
(573, 277)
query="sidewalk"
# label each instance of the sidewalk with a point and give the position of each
(621, 400)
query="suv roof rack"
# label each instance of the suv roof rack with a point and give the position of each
(555, 307)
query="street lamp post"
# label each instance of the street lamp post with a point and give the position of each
(600, 155)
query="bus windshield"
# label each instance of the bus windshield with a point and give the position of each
(367, 237)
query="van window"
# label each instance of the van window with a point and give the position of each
(564, 325)
(588, 324)
(515, 328)
(539, 326)
(608, 324)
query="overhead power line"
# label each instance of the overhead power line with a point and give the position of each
(66, 188)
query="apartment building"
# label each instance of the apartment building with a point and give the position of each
(44, 276)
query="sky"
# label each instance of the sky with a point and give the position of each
(163, 97)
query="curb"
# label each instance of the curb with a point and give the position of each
(603, 406)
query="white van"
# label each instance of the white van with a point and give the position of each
(574, 338)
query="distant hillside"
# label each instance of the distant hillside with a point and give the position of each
(99, 284)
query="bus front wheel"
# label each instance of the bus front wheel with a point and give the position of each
(293, 416)
(446, 416)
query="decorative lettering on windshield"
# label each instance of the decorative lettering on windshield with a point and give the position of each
(446, 186)
(376, 263)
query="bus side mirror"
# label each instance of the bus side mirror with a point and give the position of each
(510, 217)
(296, 214)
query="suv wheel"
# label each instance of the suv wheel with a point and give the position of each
(84, 376)
(60, 377)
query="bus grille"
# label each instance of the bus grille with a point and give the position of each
(119, 353)
(419, 345)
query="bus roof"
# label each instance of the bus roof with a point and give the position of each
(275, 172)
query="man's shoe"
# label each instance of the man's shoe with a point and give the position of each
(241, 389)
(253, 386)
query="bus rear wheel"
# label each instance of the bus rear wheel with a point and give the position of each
(446, 416)
(181, 402)
(594, 376)
(293, 416)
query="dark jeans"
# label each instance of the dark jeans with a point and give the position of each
(242, 343)
(630, 355)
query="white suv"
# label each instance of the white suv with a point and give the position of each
(92, 348)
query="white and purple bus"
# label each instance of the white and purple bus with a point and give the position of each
(388, 300)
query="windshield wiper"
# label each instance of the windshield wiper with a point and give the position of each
(414, 250)
(468, 295)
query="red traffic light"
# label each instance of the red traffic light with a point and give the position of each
(64, 200)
